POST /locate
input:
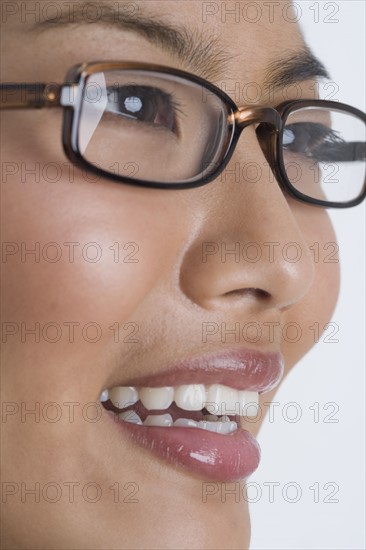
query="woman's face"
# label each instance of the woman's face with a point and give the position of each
(79, 318)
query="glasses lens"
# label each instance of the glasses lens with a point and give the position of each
(151, 126)
(324, 153)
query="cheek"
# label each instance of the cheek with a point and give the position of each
(306, 321)
(98, 251)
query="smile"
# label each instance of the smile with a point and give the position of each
(199, 425)
(212, 405)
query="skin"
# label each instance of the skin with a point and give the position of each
(169, 293)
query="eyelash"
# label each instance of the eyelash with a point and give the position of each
(315, 131)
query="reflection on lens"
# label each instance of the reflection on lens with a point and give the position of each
(172, 129)
(324, 153)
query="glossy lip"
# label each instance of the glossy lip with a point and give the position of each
(239, 369)
(208, 455)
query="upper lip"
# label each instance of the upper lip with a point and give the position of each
(240, 369)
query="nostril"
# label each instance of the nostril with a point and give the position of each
(258, 293)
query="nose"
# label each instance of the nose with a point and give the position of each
(250, 247)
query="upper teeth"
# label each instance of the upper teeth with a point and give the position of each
(216, 398)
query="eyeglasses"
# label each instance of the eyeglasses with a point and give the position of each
(155, 126)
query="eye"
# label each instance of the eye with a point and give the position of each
(313, 140)
(144, 104)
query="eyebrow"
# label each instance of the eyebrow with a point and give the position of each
(203, 53)
(300, 66)
(199, 50)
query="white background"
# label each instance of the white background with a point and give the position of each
(309, 452)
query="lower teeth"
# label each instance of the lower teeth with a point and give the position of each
(210, 423)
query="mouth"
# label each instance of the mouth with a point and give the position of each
(193, 414)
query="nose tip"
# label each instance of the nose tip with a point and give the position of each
(228, 275)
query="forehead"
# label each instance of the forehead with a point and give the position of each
(239, 24)
(232, 41)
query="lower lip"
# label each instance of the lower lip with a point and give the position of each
(212, 456)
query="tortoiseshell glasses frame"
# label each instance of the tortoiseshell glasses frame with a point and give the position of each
(269, 125)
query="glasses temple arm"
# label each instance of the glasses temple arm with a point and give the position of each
(36, 95)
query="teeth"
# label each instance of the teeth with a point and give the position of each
(130, 416)
(185, 423)
(249, 403)
(158, 420)
(219, 400)
(190, 397)
(226, 427)
(104, 396)
(223, 426)
(209, 426)
(227, 399)
(218, 427)
(156, 398)
(123, 396)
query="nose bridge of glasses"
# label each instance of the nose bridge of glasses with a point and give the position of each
(267, 123)
(245, 116)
